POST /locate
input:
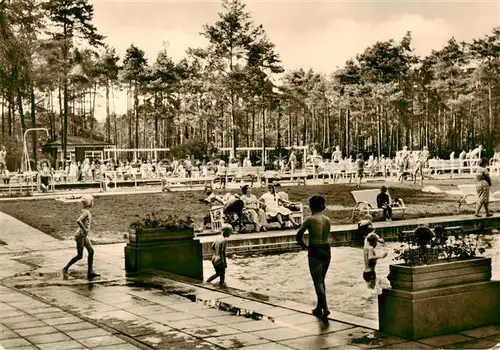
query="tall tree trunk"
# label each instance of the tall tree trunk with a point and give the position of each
(61, 111)
(108, 120)
(304, 135)
(379, 130)
(136, 110)
(280, 115)
(253, 125)
(65, 93)
(290, 129)
(10, 116)
(157, 140)
(339, 126)
(52, 116)
(129, 118)
(328, 122)
(21, 110)
(233, 124)
(427, 119)
(144, 132)
(263, 136)
(489, 146)
(115, 120)
(33, 122)
(82, 112)
(92, 110)
(347, 116)
(3, 117)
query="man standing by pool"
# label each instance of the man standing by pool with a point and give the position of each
(337, 155)
(319, 254)
(3, 156)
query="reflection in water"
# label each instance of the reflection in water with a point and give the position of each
(287, 276)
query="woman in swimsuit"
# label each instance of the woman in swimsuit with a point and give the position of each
(319, 254)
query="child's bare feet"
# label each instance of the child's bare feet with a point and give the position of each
(317, 312)
(92, 275)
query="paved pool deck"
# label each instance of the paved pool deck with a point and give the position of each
(40, 310)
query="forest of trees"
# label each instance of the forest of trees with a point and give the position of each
(235, 92)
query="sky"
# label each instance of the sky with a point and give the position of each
(308, 34)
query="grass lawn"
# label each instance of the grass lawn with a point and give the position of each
(112, 215)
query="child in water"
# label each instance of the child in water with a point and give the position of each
(365, 226)
(319, 254)
(82, 240)
(371, 257)
(219, 256)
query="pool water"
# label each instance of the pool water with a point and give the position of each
(287, 276)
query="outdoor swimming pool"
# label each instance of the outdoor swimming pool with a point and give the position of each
(287, 276)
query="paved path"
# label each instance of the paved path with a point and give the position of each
(39, 310)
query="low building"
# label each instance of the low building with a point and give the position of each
(78, 148)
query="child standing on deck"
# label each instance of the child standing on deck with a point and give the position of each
(360, 165)
(219, 256)
(371, 258)
(81, 238)
(319, 254)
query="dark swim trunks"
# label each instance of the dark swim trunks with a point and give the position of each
(319, 251)
(369, 276)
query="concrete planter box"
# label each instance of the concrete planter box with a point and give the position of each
(416, 278)
(176, 251)
(439, 299)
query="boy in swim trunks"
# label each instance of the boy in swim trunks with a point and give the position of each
(219, 256)
(371, 258)
(319, 254)
(82, 239)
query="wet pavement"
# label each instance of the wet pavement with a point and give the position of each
(40, 310)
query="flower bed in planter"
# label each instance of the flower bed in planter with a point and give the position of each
(165, 244)
(152, 235)
(450, 291)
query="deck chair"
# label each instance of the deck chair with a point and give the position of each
(217, 217)
(366, 202)
(469, 195)
(296, 214)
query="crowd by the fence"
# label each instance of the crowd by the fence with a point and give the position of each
(315, 165)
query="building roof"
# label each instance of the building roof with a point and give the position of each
(78, 141)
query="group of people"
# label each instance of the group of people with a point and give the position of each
(318, 227)
(90, 170)
(243, 208)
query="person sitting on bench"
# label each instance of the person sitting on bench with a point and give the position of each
(252, 209)
(272, 202)
(384, 204)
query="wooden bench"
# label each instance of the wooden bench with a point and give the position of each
(469, 195)
(441, 166)
(189, 181)
(299, 177)
(252, 173)
(366, 201)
